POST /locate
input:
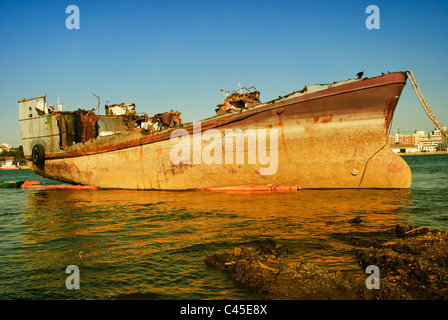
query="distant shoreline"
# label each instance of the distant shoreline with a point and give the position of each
(16, 168)
(421, 153)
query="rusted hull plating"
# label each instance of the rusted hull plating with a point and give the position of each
(332, 138)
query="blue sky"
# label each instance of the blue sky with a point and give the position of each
(164, 55)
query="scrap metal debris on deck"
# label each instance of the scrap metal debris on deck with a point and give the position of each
(82, 126)
(85, 125)
(237, 101)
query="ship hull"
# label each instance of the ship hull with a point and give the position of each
(332, 138)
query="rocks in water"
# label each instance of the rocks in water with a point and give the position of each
(402, 228)
(412, 263)
(355, 220)
(408, 230)
(262, 268)
(253, 267)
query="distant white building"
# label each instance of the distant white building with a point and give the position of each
(404, 148)
(437, 131)
(427, 146)
(420, 133)
(7, 162)
(424, 141)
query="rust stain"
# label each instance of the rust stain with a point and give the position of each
(280, 120)
(330, 119)
(394, 167)
(49, 123)
(280, 123)
(63, 170)
(389, 111)
(180, 168)
(88, 121)
(158, 182)
(174, 170)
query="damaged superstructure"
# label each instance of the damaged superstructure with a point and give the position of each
(237, 101)
(58, 131)
(84, 125)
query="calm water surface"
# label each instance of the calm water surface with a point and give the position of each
(152, 245)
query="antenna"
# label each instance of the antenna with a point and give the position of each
(224, 94)
(98, 107)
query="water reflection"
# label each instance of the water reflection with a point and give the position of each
(66, 213)
(154, 243)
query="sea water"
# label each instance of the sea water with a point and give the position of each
(152, 244)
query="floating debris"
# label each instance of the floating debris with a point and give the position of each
(82, 260)
(11, 184)
(39, 185)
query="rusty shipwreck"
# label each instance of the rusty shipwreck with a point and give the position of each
(329, 136)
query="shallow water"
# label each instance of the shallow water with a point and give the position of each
(152, 245)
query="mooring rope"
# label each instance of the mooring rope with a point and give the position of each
(424, 103)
